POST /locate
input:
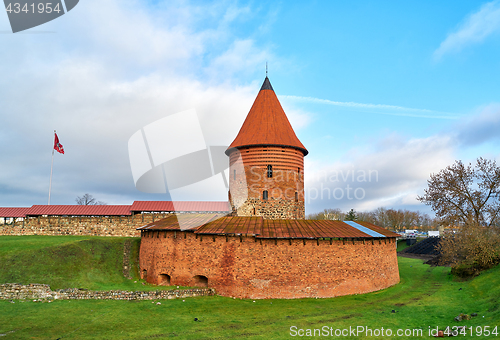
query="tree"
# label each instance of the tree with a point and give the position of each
(351, 215)
(389, 219)
(472, 249)
(367, 217)
(327, 214)
(88, 199)
(468, 196)
(461, 194)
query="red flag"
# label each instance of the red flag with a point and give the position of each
(58, 146)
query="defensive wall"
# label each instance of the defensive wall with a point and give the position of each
(249, 267)
(97, 220)
(121, 226)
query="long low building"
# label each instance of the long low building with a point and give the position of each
(97, 220)
(256, 258)
(137, 207)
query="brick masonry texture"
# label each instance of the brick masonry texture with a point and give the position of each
(285, 188)
(246, 267)
(123, 226)
(14, 291)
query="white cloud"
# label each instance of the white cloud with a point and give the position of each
(102, 76)
(383, 109)
(241, 57)
(484, 126)
(475, 29)
(392, 174)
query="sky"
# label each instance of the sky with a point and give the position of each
(382, 94)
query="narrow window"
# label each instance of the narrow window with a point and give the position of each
(234, 174)
(264, 195)
(296, 196)
(269, 171)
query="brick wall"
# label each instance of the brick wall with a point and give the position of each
(123, 226)
(246, 267)
(249, 180)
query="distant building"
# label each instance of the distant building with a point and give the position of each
(433, 233)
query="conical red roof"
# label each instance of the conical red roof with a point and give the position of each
(267, 124)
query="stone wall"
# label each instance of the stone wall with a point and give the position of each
(14, 291)
(123, 226)
(273, 208)
(247, 267)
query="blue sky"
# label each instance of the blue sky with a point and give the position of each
(401, 89)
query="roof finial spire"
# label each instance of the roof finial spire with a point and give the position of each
(266, 69)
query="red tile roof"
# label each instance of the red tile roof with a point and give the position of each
(117, 210)
(13, 212)
(261, 228)
(194, 206)
(152, 206)
(176, 221)
(79, 210)
(233, 225)
(267, 124)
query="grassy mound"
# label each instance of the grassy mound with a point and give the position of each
(426, 298)
(69, 261)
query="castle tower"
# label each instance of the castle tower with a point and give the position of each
(266, 162)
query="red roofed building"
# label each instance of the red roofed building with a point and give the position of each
(257, 258)
(259, 245)
(267, 249)
(267, 163)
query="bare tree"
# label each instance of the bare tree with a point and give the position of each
(367, 216)
(381, 218)
(461, 194)
(88, 199)
(468, 196)
(386, 218)
(327, 214)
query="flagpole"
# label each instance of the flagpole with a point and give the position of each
(51, 166)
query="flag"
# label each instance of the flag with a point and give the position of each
(58, 146)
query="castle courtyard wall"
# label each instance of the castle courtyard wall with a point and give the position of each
(246, 267)
(121, 226)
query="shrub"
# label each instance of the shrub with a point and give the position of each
(472, 249)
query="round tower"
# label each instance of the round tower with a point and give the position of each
(266, 163)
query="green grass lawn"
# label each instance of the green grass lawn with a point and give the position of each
(425, 297)
(401, 245)
(88, 262)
